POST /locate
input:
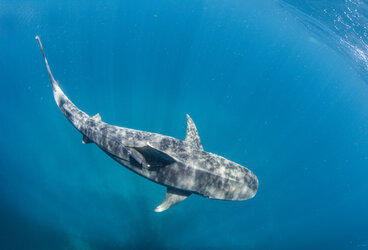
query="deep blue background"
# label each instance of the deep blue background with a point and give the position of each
(271, 85)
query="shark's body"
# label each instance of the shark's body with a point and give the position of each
(180, 165)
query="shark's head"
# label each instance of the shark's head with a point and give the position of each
(220, 178)
(244, 184)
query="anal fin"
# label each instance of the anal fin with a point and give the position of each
(86, 140)
(173, 197)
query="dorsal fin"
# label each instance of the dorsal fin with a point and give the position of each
(150, 157)
(172, 197)
(192, 134)
(97, 117)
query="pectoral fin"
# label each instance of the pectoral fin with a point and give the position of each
(150, 157)
(173, 197)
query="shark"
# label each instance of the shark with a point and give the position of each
(182, 166)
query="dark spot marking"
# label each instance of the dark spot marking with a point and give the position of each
(164, 144)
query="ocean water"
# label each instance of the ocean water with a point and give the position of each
(277, 86)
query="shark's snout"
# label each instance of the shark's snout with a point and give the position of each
(253, 187)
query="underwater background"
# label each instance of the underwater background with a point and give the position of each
(277, 86)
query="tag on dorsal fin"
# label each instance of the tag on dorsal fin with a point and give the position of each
(86, 140)
(172, 197)
(192, 134)
(96, 117)
(150, 157)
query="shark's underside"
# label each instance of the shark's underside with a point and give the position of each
(180, 165)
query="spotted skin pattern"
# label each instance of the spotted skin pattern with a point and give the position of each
(190, 170)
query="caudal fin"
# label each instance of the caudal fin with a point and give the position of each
(76, 116)
(52, 80)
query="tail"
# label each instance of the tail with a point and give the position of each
(72, 112)
(52, 80)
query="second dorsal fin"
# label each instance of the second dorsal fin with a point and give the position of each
(96, 117)
(192, 134)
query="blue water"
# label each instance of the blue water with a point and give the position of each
(277, 86)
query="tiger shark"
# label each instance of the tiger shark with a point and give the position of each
(182, 166)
